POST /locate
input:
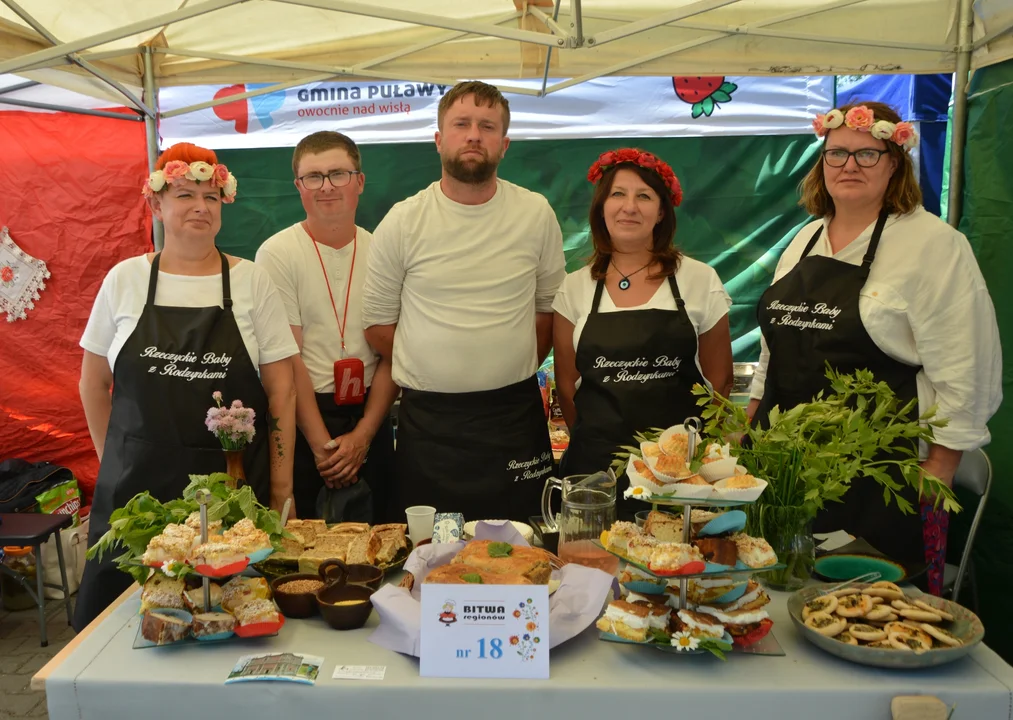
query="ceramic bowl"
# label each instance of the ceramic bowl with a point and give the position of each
(336, 571)
(345, 617)
(295, 605)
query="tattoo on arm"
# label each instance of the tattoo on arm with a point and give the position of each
(276, 434)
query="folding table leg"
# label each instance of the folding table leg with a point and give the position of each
(41, 600)
(63, 576)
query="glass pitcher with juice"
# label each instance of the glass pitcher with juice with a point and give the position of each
(588, 508)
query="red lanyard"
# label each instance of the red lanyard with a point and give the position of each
(342, 323)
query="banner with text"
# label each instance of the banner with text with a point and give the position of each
(397, 112)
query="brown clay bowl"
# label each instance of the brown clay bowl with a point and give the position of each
(295, 605)
(332, 571)
(345, 617)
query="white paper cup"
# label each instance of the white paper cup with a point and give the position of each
(420, 522)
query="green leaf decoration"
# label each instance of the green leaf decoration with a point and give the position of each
(728, 87)
(500, 549)
(716, 647)
(720, 96)
(708, 106)
(472, 578)
(698, 110)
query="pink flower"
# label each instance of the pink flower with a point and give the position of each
(859, 118)
(818, 125)
(236, 404)
(217, 395)
(175, 170)
(219, 176)
(904, 134)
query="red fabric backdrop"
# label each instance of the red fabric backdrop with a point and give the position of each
(70, 195)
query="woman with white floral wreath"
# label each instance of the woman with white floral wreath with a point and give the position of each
(168, 331)
(876, 282)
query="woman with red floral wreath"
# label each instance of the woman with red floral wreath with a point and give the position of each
(641, 324)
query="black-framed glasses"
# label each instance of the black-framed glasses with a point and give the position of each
(866, 157)
(338, 178)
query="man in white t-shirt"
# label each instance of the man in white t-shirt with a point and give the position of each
(344, 388)
(459, 296)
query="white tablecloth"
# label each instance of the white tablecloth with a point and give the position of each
(104, 679)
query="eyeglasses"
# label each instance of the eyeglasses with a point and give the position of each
(338, 178)
(866, 157)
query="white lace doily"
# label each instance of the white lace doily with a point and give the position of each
(22, 278)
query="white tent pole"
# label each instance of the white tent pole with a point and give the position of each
(243, 96)
(578, 22)
(717, 34)
(77, 59)
(437, 21)
(151, 134)
(958, 131)
(109, 36)
(68, 109)
(650, 23)
(548, 52)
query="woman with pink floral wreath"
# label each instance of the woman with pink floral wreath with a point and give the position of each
(876, 282)
(172, 333)
(638, 326)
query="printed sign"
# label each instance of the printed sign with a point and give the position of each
(399, 112)
(485, 631)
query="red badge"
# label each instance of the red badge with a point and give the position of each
(349, 382)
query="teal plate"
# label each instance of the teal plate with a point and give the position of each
(845, 567)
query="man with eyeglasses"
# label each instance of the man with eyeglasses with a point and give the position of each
(459, 294)
(344, 388)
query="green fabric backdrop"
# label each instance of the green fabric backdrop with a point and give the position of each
(738, 214)
(987, 221)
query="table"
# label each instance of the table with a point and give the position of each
(33, 529)
(103, 678)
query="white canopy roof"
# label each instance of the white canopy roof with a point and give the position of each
(299, 41)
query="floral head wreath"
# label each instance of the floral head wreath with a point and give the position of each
(862, 118)
(199, 171)
(644, 160)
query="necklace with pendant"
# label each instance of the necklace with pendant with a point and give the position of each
(624, 284)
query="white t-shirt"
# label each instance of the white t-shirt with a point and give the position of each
(463, 284)
(255, 303)
(294, 267)
(925, 303)
(706, 300)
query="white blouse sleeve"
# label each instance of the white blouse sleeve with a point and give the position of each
(270, 321)
(957, 338)
(101, 328)
(385, 274)
(565, 302)
(717, 304)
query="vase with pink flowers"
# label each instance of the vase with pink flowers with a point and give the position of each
(233, 426)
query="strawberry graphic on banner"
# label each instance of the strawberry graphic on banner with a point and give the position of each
(703, 93)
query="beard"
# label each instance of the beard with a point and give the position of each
(470, 170)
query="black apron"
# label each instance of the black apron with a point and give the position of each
(156, 436)
(796, 373)
(377, 469)
(484, 454)
(615, 402)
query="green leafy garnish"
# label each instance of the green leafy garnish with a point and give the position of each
(472, 578)
(500, 549)
(143, 517)
(717, 647)
(811, 453)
